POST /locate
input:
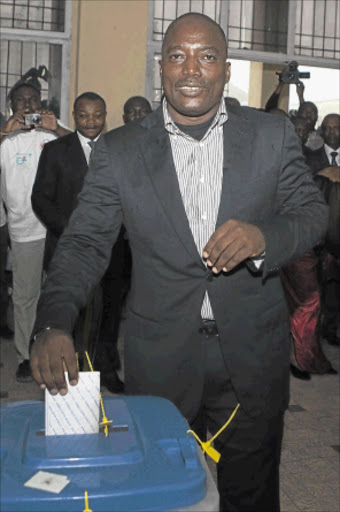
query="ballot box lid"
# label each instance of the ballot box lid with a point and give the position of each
(147, 462)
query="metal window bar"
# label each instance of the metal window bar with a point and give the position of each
(269, 31)
(46, 15)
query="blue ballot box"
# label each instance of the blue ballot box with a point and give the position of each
(147, 463)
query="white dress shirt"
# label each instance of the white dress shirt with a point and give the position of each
(84, 141)
(330, 150)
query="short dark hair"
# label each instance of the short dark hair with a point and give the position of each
(16, 87)
(92, 96)
(195, 14)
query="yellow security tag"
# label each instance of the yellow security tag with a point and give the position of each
(213, 454)
(105, 423)
(206, 446)
(86, 509)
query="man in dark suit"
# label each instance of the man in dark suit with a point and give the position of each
(60, 177)
(325, 161)
(214, 201)
(329, 154)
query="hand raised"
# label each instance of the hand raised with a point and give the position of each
(53, 353)
(15, 122)
(48, 120)
(232, 243)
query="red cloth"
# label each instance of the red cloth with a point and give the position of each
(301, 287)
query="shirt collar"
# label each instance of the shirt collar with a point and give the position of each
(84, 140)
(330, 150)
(220, 118)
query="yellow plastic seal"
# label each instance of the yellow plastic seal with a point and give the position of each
(206, 446)
(105, 422)
(86, 509)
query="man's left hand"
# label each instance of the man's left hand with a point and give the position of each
(232, 243)
(48, 120)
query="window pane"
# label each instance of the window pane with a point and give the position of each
(18, 57)
(46, 15)
(317, 25)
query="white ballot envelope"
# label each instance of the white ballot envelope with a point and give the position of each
(78, 411)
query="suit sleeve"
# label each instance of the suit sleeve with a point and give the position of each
(84, 249)
(44, 192)
(301, 216)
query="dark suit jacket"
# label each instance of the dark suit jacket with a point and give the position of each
(317, 160)
(60, 177)
(132, 178)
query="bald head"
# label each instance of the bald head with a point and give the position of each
(136, 107)
(194, 17)
(194, 68)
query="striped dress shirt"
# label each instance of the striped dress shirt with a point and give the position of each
(199, 168)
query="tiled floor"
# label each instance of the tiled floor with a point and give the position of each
(310, 474)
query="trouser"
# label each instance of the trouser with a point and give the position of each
(3, 281)
(27, 260)
(248, 471)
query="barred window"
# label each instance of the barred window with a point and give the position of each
(36, 33)
(33, 14)
(269, 31)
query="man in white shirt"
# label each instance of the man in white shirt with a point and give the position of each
(20, 150)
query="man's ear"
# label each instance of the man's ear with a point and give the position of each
(160, 67)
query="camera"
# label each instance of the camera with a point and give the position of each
(32, 119)
(291, 74)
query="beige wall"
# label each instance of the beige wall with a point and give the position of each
(108, 53)
(263, 81)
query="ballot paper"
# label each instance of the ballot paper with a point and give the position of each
(78, 411)
(50, 482)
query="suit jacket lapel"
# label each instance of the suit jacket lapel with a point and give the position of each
(155, 150)
(237, 144)
(77, 156)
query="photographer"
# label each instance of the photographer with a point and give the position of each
(289, 75)
(23, 137)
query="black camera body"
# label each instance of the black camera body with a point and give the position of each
(291, 74)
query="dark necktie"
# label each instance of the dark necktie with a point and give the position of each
(334, 154)
(92, 144)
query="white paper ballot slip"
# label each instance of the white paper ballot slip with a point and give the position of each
(78, 411)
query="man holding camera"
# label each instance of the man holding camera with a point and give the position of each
(22, 138)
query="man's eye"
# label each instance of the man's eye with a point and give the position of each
(176, 56)
(209, 57)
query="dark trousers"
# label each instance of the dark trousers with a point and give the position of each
(248, 471)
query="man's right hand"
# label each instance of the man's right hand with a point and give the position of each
(15, 122)
(53, 353)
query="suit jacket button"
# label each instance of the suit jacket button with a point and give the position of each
(209, 275)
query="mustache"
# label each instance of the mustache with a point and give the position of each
(191, 83)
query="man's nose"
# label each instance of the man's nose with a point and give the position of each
(191, 66)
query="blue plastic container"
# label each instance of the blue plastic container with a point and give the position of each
(147, 463)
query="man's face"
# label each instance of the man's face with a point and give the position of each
(331, 131)
(136, 109)
(25, 99)
(309, 113)
(194, 70)
(301, 129)
(89, 117)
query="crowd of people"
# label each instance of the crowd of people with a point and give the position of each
(39, 187)
(221, 241)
